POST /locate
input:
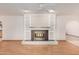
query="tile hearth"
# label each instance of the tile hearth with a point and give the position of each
(53, 42)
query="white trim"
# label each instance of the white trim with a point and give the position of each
(30, 20)
(11, 39)
(49, 21)
(73, 35)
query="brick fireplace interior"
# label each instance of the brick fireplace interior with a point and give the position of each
(39, 35)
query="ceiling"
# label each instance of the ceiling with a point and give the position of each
(59, 8)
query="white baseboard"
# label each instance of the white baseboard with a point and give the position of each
(12, 39)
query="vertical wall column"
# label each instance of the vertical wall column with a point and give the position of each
(27, 30)
(52, 29)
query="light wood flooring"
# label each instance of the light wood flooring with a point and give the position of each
(16, 48)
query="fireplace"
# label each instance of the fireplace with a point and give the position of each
(39, 35)
(39, 29)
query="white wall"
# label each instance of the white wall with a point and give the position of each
(72, 28)
(67, 24)
(12, 27)
(72, 25)
(39, 20)
(60, 27)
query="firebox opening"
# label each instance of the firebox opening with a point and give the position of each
(39, 35)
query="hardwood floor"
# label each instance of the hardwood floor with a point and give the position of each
(16, 48)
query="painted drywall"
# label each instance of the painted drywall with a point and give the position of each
(39, 20)
(72, 25)
(12, 27)
(72, 28)
(67, 24)
(60, 27)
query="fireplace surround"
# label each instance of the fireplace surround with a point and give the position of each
(39, 29)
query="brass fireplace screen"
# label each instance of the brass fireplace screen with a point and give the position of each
(39, 35)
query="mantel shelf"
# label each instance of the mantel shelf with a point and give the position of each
(39, 27)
